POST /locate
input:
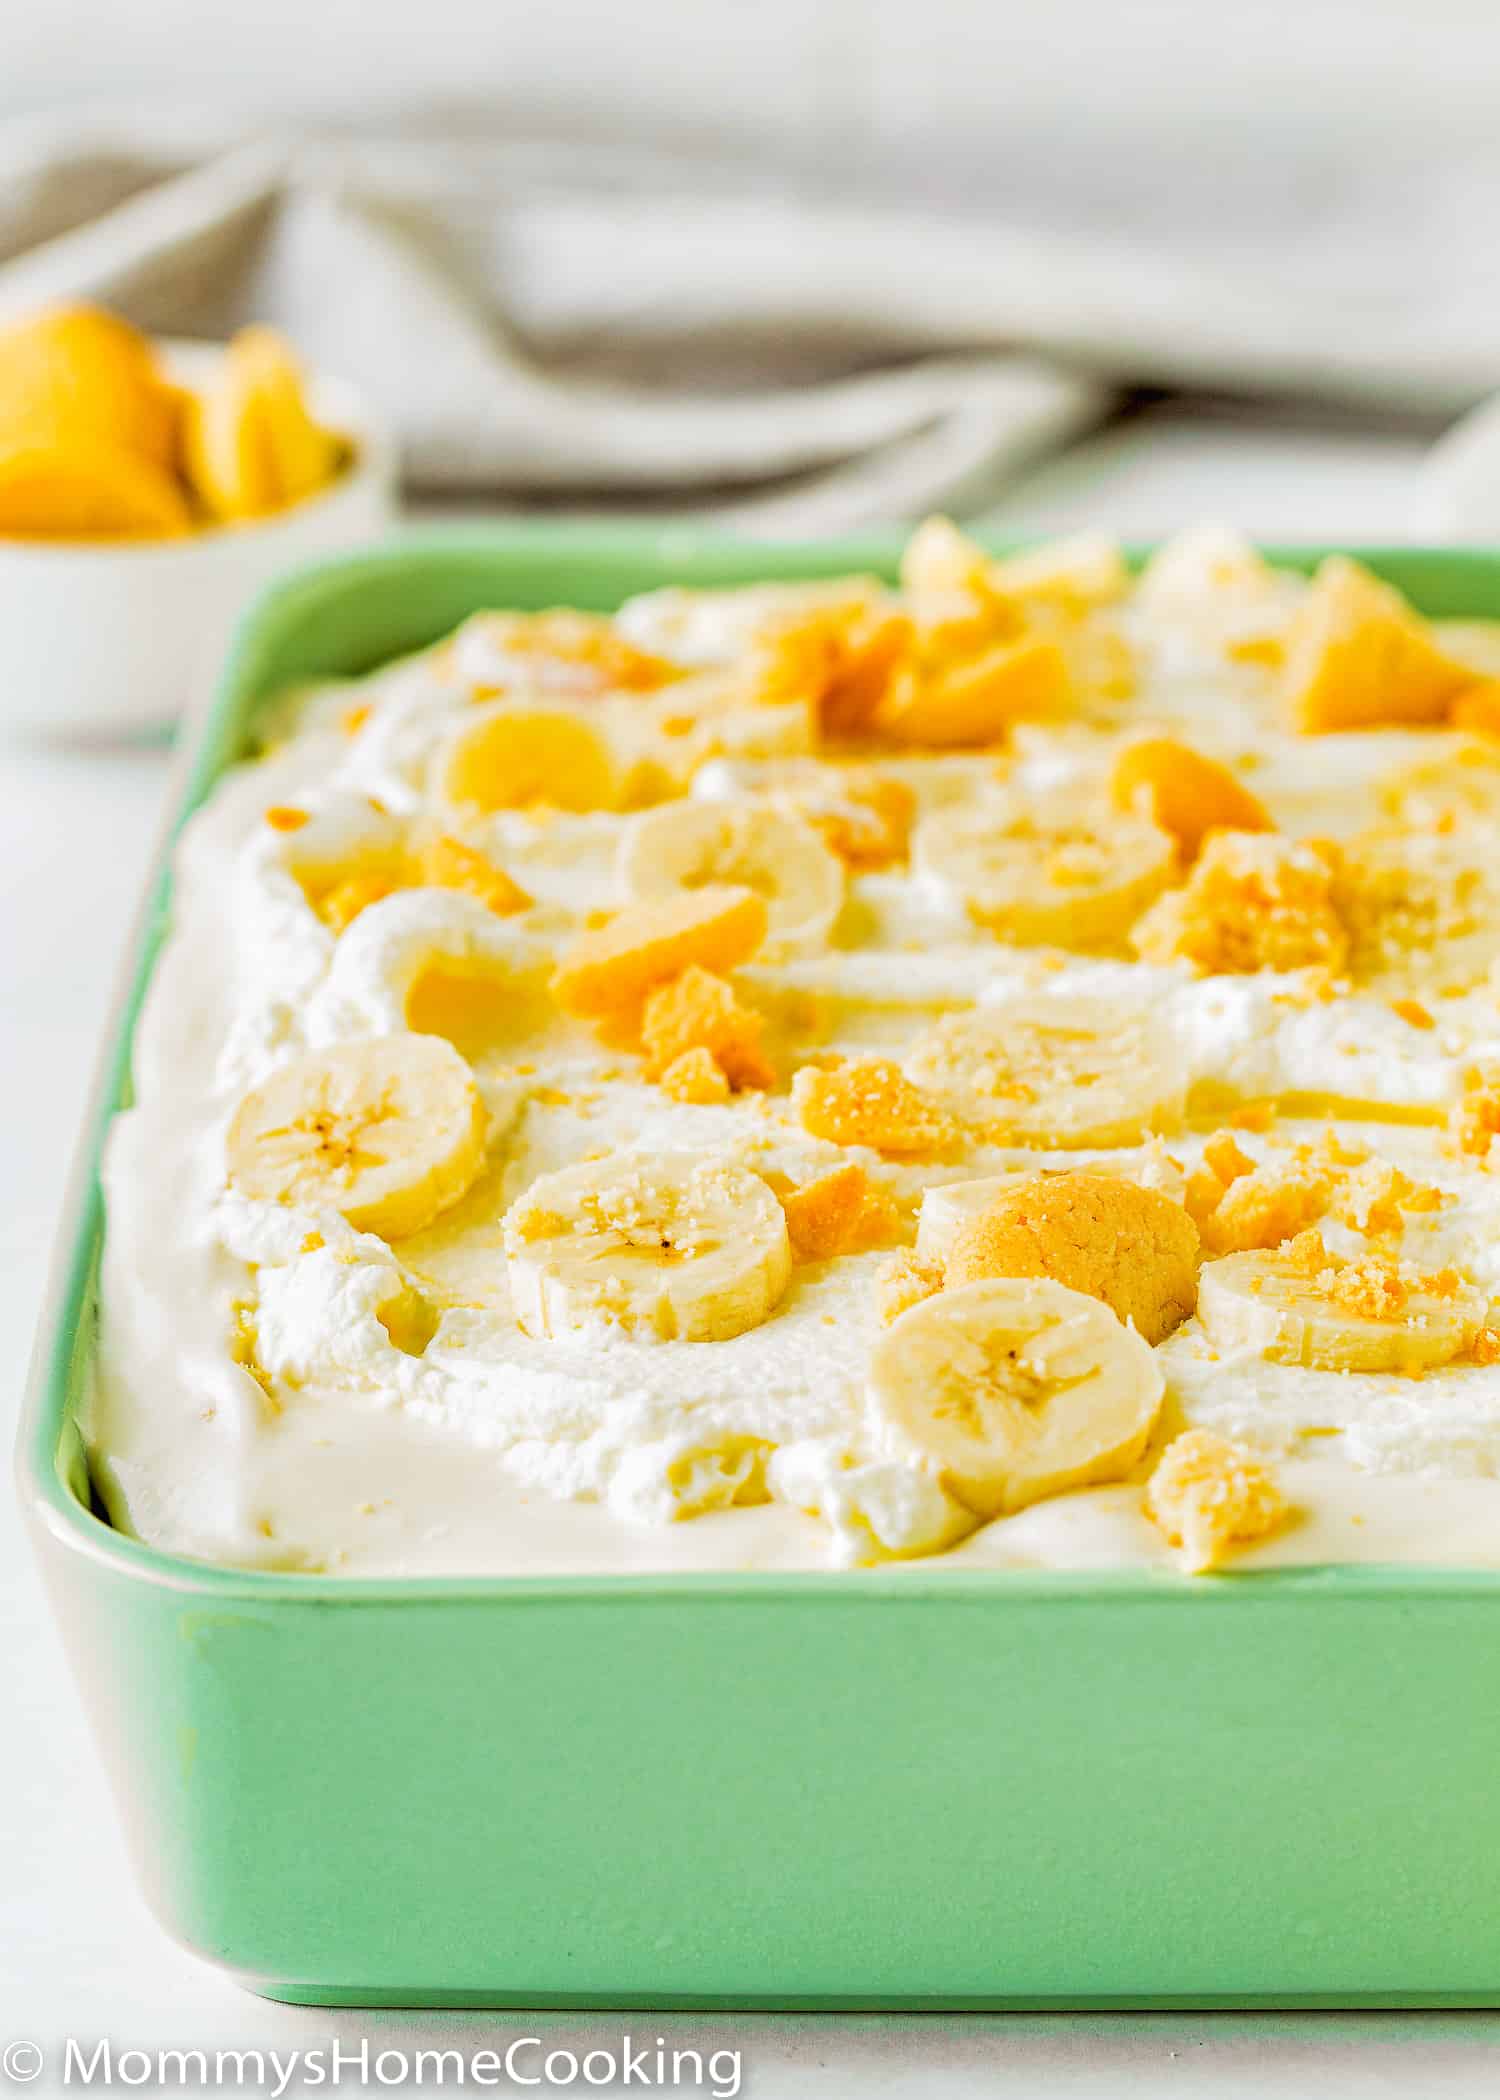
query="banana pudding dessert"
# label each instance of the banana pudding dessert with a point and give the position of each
(1001, 1066)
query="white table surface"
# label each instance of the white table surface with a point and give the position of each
(79, 1954)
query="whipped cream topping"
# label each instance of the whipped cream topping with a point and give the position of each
(278, 1389)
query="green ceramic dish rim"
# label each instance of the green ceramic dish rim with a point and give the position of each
(51, 1464)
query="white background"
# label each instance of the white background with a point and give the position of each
(79, 1954)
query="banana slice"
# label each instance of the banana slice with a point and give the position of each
(1012, 1390)
(50, 489)
(1062, 1071)
(388, 1133)
(661, 1249)
(1046, 871)
(693, 845)
(946, 1209)
(303, 456)
(508, 755)
(1353, 1316)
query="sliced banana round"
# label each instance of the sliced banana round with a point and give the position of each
(660, 1249)
(1012, 1390)
(1063, 1071)
(1340, 1318)
(698, 845)
(508, 754)
(1046, 870)
(387, 1133)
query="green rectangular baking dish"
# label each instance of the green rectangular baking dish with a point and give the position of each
(922, 1790)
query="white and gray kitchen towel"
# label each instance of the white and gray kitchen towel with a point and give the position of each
(587, 327)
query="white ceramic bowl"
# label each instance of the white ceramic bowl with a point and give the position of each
(100, 640)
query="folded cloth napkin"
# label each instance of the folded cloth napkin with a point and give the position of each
(578, 326)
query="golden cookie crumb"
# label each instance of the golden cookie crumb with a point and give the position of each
(696, 1079)
(614, 966)
(871, 648)
(870, 1101)
(341, 905)
(1254, 901)
(1474, 1119)
(1371, 1286)
(904, 1281)
(1358, 655)
(975, 701)
(1485, 1347)
(698, 1010)
(1183, 793)
(1372, 1197)
(449, 864)
(1259, 1209)
(1477, 709)
(866, 821)
(1208, 1495)
(842, 1212)
(1224, 1159)
(1097, 1233)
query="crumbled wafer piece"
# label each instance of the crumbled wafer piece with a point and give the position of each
(904, 1281)
(449, 864)
(1372, 1197)
(613, 967)
(839, 653)
(1183, 793)
(842, 1212)
(1239, 1206)
(698, 1010)
(1254, 901)
(696, 1078)
(794, 659)
(340, 905)
(1477, 709)
(975, 700)
(870, 1101)
(872, 645)
(1474, 1119)
(866, 820)
(1097, 1233)
(1357, 656)
(1485, 1347)
(1208, 1495)
(1223, 1157)
(1372, 1286)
